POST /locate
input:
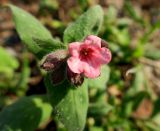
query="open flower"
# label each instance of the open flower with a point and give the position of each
(87, 56)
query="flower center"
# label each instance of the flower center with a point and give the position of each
(85, 53)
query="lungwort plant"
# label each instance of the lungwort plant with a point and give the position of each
(70, 66)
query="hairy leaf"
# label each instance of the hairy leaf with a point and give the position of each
(88, 23)
(70, 104)
(29, 29)
(26, 114)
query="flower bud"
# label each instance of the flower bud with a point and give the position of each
(104, 43)
(58, 75)
(54, 60)
(74, 78)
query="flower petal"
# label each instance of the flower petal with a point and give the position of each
(91, 39)
(101, 56)
(107, 56)
(74, 48)
(75, 65)
(90, 71)
(88, 56)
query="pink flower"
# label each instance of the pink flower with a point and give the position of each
(88, 56)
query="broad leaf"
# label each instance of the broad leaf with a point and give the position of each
(101, 81)
(50, 44)
(29, 29)
(26, 114)
(88, 23)
(70, 104)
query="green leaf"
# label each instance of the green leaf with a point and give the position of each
(120, 36)
(129, 105)
(26, 114)
(51, 5)
(155, 122)
(83, 3)
(94, 128)
(101, 81)
(7, 63)
(138, 84)
(49, 44)
(23, 77)
(111, 15)
(148, 34)
(88, 23)
(29, 28)
(152, 52)
(152, 126)
(70, 104)
(99, 109)
(128, 6)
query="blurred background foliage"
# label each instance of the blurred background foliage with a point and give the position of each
(127, 100)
